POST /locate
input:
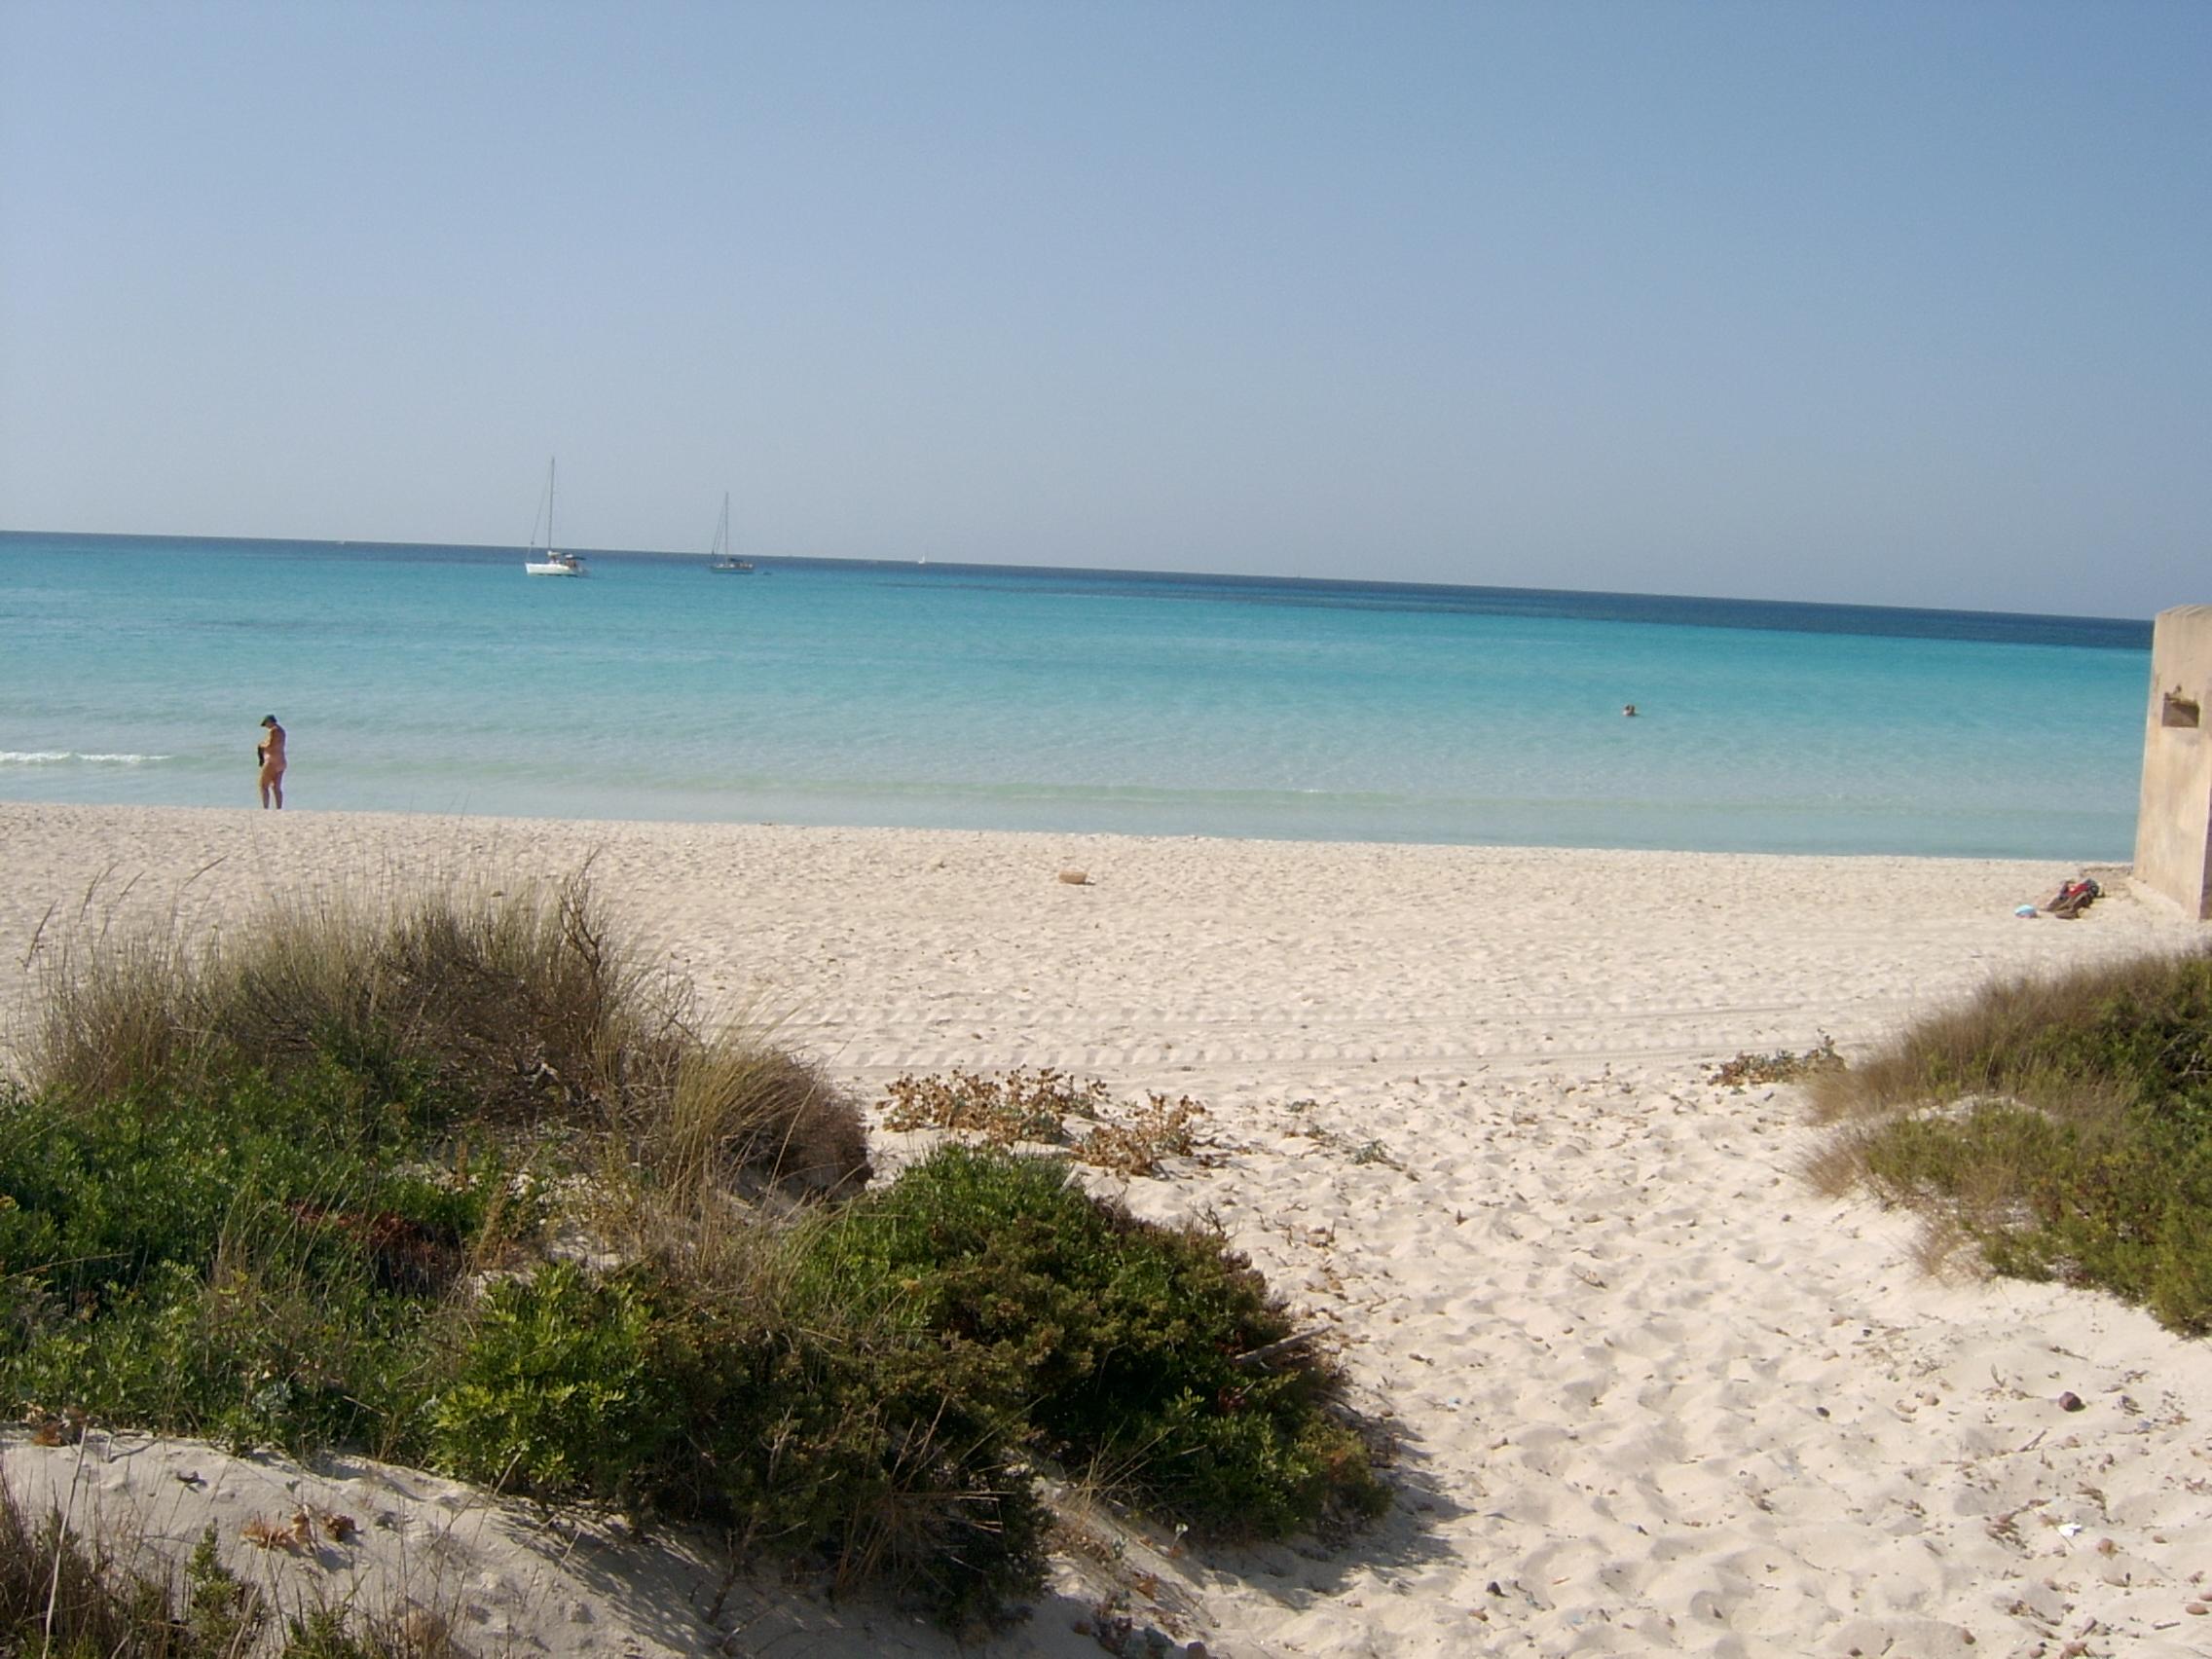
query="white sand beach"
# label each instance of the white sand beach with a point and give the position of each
(1648, 1393)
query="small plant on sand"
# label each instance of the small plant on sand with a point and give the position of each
(1375, 1151)
(2062, 1127)
(1020, 1105)
(1781, 1066)
(1134, 1144)
(1033, 1106)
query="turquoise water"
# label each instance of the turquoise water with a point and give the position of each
(443, 679)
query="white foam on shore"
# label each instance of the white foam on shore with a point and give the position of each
(56, 757)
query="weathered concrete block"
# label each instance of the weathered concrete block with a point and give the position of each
(2173, 825)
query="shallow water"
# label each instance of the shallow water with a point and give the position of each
(443, 679)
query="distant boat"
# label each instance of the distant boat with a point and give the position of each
(720, 552)
(551, 563)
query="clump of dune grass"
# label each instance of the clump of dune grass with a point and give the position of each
(519, 1004)
(2057, 1127)
(455, 1181)
(739, 1105)
(516, 1010)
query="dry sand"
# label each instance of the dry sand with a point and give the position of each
(1650, 1392)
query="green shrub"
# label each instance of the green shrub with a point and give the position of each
(2062, 1127)
(557, 1393)
(1113, 1343)
(97, 1193)
(242, 1265)
(856, 1449)
(821, 1435)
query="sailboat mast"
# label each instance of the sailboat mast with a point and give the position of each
(549, 507)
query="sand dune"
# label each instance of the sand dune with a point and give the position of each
(1648, 1393)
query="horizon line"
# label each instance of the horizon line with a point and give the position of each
(895, 563)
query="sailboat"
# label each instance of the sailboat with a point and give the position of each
(720, 553)
(552, 564)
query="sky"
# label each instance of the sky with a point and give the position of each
(1882, 304)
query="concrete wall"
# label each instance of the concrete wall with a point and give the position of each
(2173, 827)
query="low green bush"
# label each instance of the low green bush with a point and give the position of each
(556, 1393)
(242, 1265)
(856, 1447)
(2062, 1127)
(1111, 1344)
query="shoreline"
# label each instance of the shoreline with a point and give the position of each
(1649, 1391)
(1108, 814)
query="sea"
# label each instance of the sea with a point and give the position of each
(443, 679)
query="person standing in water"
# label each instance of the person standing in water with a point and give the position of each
(270, 751)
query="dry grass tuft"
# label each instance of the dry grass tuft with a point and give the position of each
(519, 1010)
(741, 1108)
(523, 1002)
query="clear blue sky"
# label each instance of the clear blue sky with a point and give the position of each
(1899, 304)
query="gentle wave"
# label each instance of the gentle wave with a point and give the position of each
(57, 757)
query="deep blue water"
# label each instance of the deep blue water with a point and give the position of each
(443, 679)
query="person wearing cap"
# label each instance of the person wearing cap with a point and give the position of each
(270, 751)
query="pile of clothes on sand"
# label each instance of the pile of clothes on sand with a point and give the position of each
(2074, 897)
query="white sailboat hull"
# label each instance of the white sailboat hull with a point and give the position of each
(550, 563)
